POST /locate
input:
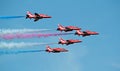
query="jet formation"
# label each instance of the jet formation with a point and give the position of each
(69, 41)
(62, 28)
(78, 32)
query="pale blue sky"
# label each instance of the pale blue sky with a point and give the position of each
(95, 53)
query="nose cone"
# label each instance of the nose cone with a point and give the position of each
(65, 50)
(49, 17)
(76, 41)
(79, 40)
(78, 28)
(96, 33)
(45, 16)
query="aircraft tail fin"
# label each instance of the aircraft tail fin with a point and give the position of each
(79, 32)
(59, 25)
(61, 39)
(29, 14)
(48, 49)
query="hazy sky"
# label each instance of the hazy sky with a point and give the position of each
(95, 53)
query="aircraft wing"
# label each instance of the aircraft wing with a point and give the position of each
(36, 14)
(67, 28)
(36, 19)
(69, 41)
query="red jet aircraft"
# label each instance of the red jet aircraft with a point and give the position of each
(67, 42)
(36, 16)
(85, 33)
(55, 50)
(67, 28)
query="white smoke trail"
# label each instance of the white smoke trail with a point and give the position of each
(21, 45)
(9, 31)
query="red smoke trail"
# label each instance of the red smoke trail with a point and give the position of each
(31, 35)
